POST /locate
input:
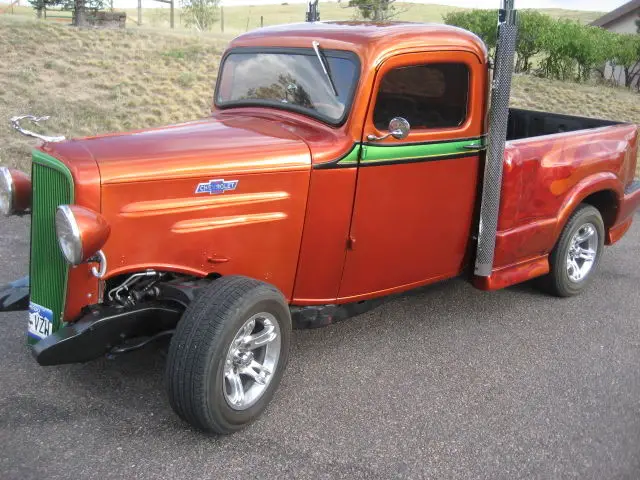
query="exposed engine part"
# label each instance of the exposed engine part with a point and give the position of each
(137, 287)
(182, 290)
(15, 123)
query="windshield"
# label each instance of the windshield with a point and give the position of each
(292, 80)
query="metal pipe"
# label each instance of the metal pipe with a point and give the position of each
(313, 13)
(498, 120)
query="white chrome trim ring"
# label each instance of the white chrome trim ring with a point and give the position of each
(67, 214)
(7, 180)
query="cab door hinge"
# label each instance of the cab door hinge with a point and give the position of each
(363, 152)
(351, 242)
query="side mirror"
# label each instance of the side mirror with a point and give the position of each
(399, 129)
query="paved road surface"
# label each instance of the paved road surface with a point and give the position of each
(448, 382)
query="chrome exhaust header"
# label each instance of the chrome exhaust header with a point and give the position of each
(498, 119)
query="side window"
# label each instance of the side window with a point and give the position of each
(428, 96)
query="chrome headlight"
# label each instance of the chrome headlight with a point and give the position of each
(81, 233)
(6, 191)
(68, 234)
(15, 191)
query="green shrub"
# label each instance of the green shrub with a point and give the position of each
(564, 50)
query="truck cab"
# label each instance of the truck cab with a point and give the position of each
(342, 162)
(376, 202)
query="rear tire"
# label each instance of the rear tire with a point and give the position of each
(576, 257)
(228, 354)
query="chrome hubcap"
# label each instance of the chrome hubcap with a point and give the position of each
(583, 249)
(251, 360)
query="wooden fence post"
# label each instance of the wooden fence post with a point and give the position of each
(261, 21)
(222, 19)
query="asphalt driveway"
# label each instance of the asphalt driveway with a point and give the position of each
(447, 382)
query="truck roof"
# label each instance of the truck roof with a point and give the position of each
(370, 40)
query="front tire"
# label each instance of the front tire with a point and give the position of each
(576, 257)
(228, 354)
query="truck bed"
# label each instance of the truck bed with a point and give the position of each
(531, 123)
(552, 163)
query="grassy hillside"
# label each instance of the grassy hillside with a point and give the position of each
(241, 18)
(95, 81)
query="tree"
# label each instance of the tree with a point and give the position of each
(530, 27)
(41, 5)
(626, 55)
(484, 23)
(201, 14)
(375, 10)
(79, 8)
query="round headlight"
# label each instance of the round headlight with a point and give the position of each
(15, 191)
(81, 232)
(6, 191)
(68, 233)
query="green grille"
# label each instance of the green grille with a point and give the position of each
(52, 186)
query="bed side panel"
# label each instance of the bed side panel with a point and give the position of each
(546, 177)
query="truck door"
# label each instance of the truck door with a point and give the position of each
(416, 197)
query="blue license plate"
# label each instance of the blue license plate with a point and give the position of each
(40, 321)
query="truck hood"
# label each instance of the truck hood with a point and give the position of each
(210, 147)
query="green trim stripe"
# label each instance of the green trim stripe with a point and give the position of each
(52, 185)
(372, 154)
(351, 158)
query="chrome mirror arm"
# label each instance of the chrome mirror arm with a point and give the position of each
(395, 134)
(399, 129)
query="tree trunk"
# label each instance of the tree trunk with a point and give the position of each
(627, 77)
(80, 13)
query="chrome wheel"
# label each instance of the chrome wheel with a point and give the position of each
(583, 249)
(251, 360)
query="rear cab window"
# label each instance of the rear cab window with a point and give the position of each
(431, 96)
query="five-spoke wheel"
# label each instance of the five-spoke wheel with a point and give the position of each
(583, 248)
(251, 360)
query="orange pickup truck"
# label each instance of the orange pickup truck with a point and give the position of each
(342, 162)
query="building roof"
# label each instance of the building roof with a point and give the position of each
(617, 13)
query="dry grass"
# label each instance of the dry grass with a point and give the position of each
(95, 81)
(241, 18)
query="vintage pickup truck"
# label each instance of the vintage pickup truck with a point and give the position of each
(342, 163)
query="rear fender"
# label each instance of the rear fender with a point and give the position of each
(600, 182)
